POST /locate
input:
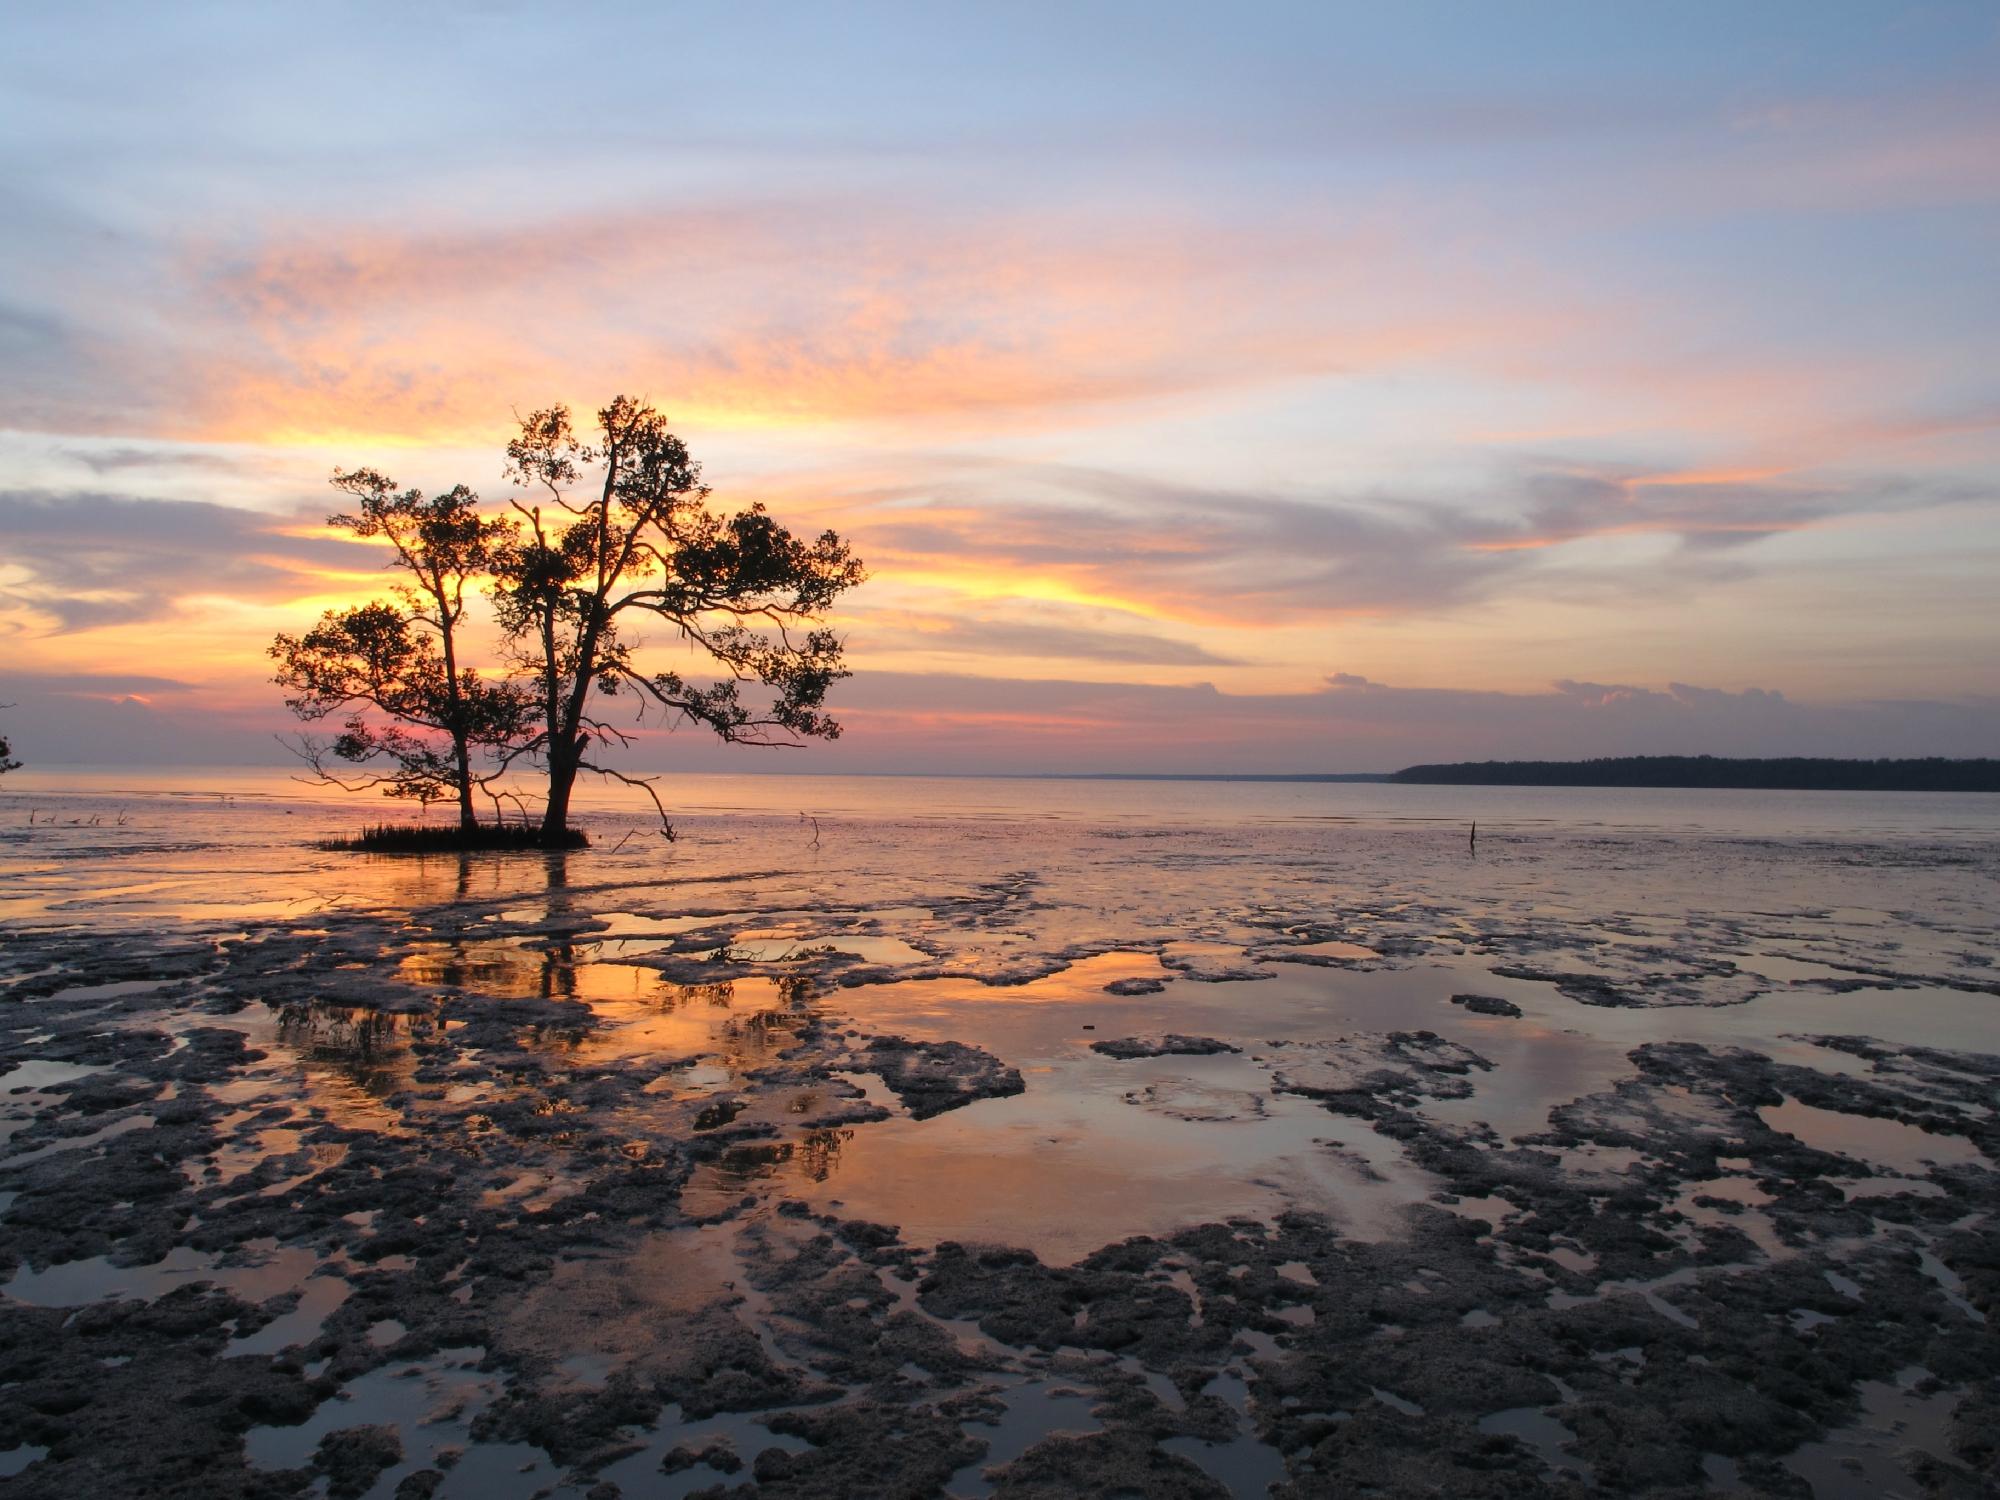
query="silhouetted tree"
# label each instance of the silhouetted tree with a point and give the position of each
(7, 761)
(402, 660)
(618, 532)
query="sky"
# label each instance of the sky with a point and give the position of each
(1258, 388)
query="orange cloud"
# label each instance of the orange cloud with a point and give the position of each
(383, 338)
(1706, 476)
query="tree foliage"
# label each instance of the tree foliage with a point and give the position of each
(432, 724)
(613, 533)
(616, 532)
(393, 667)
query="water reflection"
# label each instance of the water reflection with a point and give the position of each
(1183, 919)
(361, 1043)
(813, 1157)
(482, 983)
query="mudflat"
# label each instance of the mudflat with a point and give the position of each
(1005, 1156)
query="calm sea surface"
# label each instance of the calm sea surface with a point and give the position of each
(1133, 997)
(1896, 815)
(1032, 917)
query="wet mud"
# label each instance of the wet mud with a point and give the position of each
(1240, 1165)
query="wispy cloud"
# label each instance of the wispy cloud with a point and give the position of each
(1058, 634)
(1244, 354)
(897, 317)
(1214, 556)
(126, 457)
(1353, 724)
(88, 560)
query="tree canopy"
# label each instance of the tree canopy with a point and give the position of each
(613, 532)
(434, 718)
(616, 532)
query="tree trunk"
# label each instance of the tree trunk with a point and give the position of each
(562, 753)
(468, 820)
(562, 777)
(567, 732)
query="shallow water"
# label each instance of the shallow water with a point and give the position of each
(1028, 920)
(1888, 1143)
(1281, 913)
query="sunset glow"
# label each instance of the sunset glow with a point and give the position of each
(1232, 365)
(1117, 750)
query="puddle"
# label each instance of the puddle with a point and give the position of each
(494, 1471)
(81, 1142)
(1948, 1282)
(1703, 1203)
(431, 1403)
(742, 1433)
(1548, 1437)
(1889, 1143)
(1243, 1465)
(110, 991)
(41, 1074)
(386, 1332)
(80, 1282)
(317, 1301)
(1034, 1410)
(1572, 1259)
(1351, 952)
(1886, 1187)
(14, 1460)
(1783, 969)
(1863, 1459)
(1647, 1291)
(765, 948)
(1071, 1164)
(77, 1282)
(1164, 1391)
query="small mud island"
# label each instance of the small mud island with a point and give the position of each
(1282, 1160)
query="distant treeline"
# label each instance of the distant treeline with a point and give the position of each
(1793, 773)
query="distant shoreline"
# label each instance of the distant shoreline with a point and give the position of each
(1713, 773)
(1378, 777)
(1717, 773)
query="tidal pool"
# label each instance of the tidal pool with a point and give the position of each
(992, 1143)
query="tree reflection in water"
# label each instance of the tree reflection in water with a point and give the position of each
(815, 1155)
(356, 1040)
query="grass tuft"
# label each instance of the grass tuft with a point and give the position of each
(449, 838)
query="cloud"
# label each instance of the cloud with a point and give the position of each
(56, 720)
(944, 722)
(966, 723)
(108, 685)
(28, 334)
(1048, 639)
(979, 317)
(130, 456)
(85, 560)
(1181, 552)
(1214, 555)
